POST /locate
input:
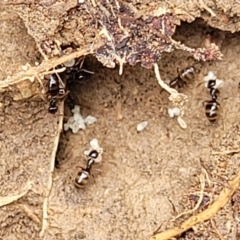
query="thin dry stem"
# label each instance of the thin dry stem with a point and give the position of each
(201, 194)
(52, 165)
(205, 215)
(171, 91)
(226, 152)
(204, 5)
(29, 212)
(216, 229)
(177, 98)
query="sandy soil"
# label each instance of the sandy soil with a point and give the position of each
(145, 178)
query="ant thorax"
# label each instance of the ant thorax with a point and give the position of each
(187, 72)
(182, 78)
(53, 85)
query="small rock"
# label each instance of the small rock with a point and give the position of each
(90, 120)
(141, 126)
(172, 112)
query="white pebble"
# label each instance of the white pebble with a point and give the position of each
(212, 76)
(76, 109)
(172, 112)
(209, 76)
(90, 120)
(94, 143)
(77, 117)
(65, 126)
(94, 146)
(219, 83)
(74, 127)
(181, 122)
(81, 125)
(141, 126)
(71, 120)
(77, 122)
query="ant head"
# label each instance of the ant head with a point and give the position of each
(93, 154)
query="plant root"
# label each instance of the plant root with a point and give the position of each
(205, 215)
(201, 194)
(178, 99)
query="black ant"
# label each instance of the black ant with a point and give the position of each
(183, 76)
(56, 89)
(212, 106)
(53, 105)
(82, 176)
(75, 70)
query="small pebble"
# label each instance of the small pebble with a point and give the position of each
(141, 126)
(76, 109)
(212, 76)
(209, 76)
(77, 122)
(181, 122)
(172, 112)
(90, 120)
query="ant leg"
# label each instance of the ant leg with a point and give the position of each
(79, 167)
(179, 71)
(82, 61)
(60, 81)
(93, 178)
(78, 61)
(87, 71)
(204, 103)
(42, 90)
(64, 96)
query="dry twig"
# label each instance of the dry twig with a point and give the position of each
(216, 229)
(52, 165)
(201, 194)
(45, 66)
(29, 212)
(204, 6)
(226, 152)
(205, 215)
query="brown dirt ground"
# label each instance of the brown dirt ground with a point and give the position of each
(145, 178)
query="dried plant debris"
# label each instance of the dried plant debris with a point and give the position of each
(130, 38)
(128, 34)
(144, 39)
(114, 32)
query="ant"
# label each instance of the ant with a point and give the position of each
(75, 70)
(56, 89)
(212, 106)
(183, 76)
(82, 176)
